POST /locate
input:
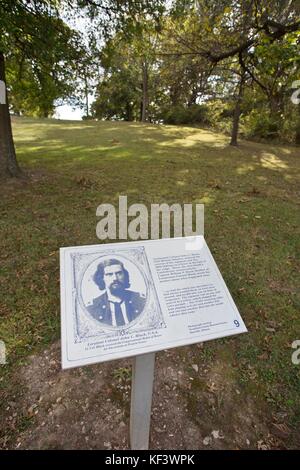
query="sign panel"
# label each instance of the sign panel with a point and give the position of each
(125, 299)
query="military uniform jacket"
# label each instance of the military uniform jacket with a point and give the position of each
(100, 308)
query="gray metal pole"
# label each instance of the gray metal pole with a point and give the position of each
(141, 399)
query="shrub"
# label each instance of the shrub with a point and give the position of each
(262, 124)
(195, 114)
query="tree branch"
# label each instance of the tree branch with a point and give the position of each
(246, 68)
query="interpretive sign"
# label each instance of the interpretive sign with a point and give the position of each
(126, 299)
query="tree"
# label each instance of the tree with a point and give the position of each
(230, 30)
(272, 68)
(8, 161)
(118, 91)
(130, 66)
(136, 23)
(35, 86)
(184, 78)
(22, 29)
(44, 61)
(141, 82)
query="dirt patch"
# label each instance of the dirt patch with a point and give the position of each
(88, 408)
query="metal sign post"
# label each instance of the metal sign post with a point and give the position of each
(2, 92)
(141, 399)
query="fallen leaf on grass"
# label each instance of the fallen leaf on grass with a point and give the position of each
(217, 434)
(207, 440)
(261, 445)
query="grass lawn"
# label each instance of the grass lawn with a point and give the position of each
(251, 196)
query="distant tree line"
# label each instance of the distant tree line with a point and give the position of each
(230, 65)
(224, 64)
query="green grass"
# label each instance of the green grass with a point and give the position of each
(251, 196)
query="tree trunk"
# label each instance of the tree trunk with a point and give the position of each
(144, 116)
(276, 105)
(129, 112)
(193, 97)
(297, 139)
(8, 162)
(237, 112)
(174, 95)
(86, 92)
